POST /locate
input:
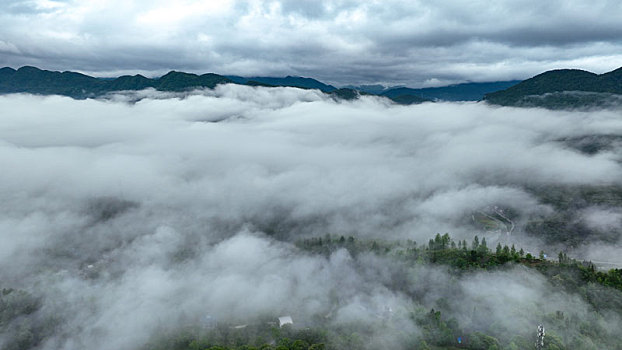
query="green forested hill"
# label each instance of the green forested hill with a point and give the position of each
(564, 88)
(456, 92)
(600, 290)
(43, 82)
(127, 82)
(300, 82)
(179, 81)
(36, 81)
(557, 89)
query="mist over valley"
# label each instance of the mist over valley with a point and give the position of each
(158, 219)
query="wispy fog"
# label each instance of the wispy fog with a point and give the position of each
(147, 209)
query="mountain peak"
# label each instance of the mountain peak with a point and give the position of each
(29, 69)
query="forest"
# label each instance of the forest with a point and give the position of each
(600, 289)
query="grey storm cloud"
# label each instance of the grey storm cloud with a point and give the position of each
(145, 210)
(408, 42)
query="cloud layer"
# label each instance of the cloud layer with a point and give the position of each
(415, 42)
(287, 159)
(127, 213)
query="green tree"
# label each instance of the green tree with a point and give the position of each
(423, 345)
(506, 251)
(445, 241)
(480, 341)
(299, 345)
(483, 247)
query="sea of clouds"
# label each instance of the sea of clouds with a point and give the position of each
(127, 213)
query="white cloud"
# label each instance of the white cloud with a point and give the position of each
(127, 216)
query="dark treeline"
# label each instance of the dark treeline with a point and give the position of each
(463, 255)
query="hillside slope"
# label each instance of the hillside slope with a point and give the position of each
(43, 82)
(300, 82)
(563, 88)
(457, 92)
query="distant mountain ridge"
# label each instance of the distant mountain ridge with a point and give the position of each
(300, 82)
(36, 81)
(456, 92)
(562, 88)
(76, 85)
(33, 80)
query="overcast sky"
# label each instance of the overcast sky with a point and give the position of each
(417, 43)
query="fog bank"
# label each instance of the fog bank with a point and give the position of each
(144, 209)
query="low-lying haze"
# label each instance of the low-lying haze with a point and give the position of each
(141, 210)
